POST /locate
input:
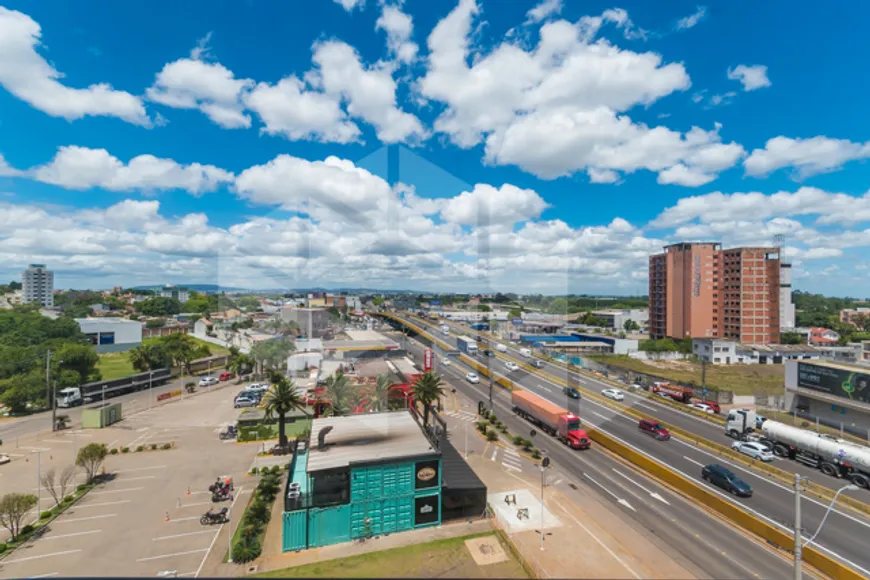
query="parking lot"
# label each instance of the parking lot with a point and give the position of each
(145, 519)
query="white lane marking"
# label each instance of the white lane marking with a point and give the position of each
(72, 535)
(93, 505)
(618, 499)
(174, 520)
(693, 461)
(64, 553)
(116, 491)
(506, 466)
(141, 469)
(61, 441)
(184, 505)
(183, 535)
(214, 539)
(494, 454)
(49, 575)
(779, 485)
(83, 519)
(124, 480)
(171, 555)
(652, 493)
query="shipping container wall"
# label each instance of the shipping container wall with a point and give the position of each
(380, 481)
(295, 531)
(328, 525)
(385, 516)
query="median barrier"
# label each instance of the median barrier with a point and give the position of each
(726, 509)
(822, 492)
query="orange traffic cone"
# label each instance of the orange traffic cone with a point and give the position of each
(188, 490)
(166, 519)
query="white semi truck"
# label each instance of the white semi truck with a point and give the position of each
(834, 457)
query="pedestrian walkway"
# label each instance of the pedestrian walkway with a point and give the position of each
(462, 416)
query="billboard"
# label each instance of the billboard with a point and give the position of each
(517, 321)
(427, 359)
(844, 383)
(434, 303)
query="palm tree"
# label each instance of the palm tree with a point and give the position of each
(428, 388)
(239, 363)
(338, 393)
(280, 400)
(381, 393)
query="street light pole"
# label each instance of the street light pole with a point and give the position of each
(150, 386)
(230, 535)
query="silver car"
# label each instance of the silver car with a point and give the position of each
(753, 450)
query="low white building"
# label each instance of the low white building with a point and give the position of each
(301, 361)
(473, 315)
(616, 319)
(111, 334)
(720, 351)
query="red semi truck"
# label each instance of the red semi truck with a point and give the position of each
(676, 392)
(551, 418)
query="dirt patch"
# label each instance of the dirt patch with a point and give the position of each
(447, 558)
(740, 379)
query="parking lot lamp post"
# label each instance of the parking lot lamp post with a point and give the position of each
(798, 546)
(150, 386)
(545, 462)
(230, 535)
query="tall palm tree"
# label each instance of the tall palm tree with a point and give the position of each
(428, 388)
(338, 393)
(280, 400)
(381, 393)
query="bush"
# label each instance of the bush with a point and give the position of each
(527, 446)
(276, 469)
(125, 450)
(28, 529)
(503, 429)
(536, 454)
(82, 487)
(153, 447)
(2, 547)
(493, 418)
(246, 550)
(46, 514)
(492, 436)
(140, 448)
(527, 442)
(68, 499)
(113, 451)
(481, 426)
(517, 440)
(254, 470)
(167, 446)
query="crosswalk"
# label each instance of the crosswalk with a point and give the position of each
(461, 415)
(511, 460)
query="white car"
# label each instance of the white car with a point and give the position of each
(4, 458)
(512, 366)
(614, 394)
(753, 450)
(702, 407)
(445, 361)
(472, 378)
(257, 387)
(208, 381)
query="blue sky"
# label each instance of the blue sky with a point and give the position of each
(458, 145)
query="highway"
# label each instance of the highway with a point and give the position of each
(709, 543)
(844, 535)
(661, 411)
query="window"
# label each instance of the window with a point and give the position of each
(92, 337)
(107, 338)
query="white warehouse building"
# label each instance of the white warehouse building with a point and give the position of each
(111, 334)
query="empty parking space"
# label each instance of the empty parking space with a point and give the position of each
(147, 517)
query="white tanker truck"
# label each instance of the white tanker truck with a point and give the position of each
(835, 457)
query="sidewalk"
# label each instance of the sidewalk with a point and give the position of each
(586, 544)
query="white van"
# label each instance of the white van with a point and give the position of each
(69, 397)
(501, 348)
(526, 352)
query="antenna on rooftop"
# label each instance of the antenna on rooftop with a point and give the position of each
(779, 242)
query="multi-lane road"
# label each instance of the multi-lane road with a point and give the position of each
(843, 537)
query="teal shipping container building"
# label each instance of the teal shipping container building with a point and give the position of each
(360, 476)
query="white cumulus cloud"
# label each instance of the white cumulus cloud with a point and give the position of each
(751, 77)
(806, 156)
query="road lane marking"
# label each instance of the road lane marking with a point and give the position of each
(93, 505)
(116, 491)
(83, 519)
(652, 493)
(174, 520)
(49, 575)
(71, 535)
(184, 505)
(693, 461)
(138, 478)
(171, 555)
(618, 499)
(64, 553)
(141, 469)
(183, 535)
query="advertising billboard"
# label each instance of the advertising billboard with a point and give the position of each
(844, 383)
(427, 359)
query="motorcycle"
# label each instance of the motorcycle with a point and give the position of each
(220, 491)
(211, 518)
(230, 433)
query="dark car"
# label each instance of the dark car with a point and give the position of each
(488, 352)
(571, 392)
(655, 429)
(721, 477)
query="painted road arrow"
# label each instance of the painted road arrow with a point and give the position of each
(652, 493)
(619, 500)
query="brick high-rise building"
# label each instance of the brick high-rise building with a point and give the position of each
(699, 290)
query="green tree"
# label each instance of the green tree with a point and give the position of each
(155, 323)
(22, 389)
(272, 354)
(428, 388)
(515, 313)
(80, 358)
(197, 304)
(630, 326)
(483, 308)
(380, 395)
(148, 357)
(183, 349)
(159, 306)
(338, 393)
(248, 303)
(280, 400)
(90, 458)
(13, 509)
(790, 338)
(239, 363)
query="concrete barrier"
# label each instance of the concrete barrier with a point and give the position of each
(726, 509)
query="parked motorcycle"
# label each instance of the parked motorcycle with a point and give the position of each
(230, 433)
(221, 495)
(211, 518)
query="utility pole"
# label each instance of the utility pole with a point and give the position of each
(797, 528)
(52, 396)
(489, 372)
